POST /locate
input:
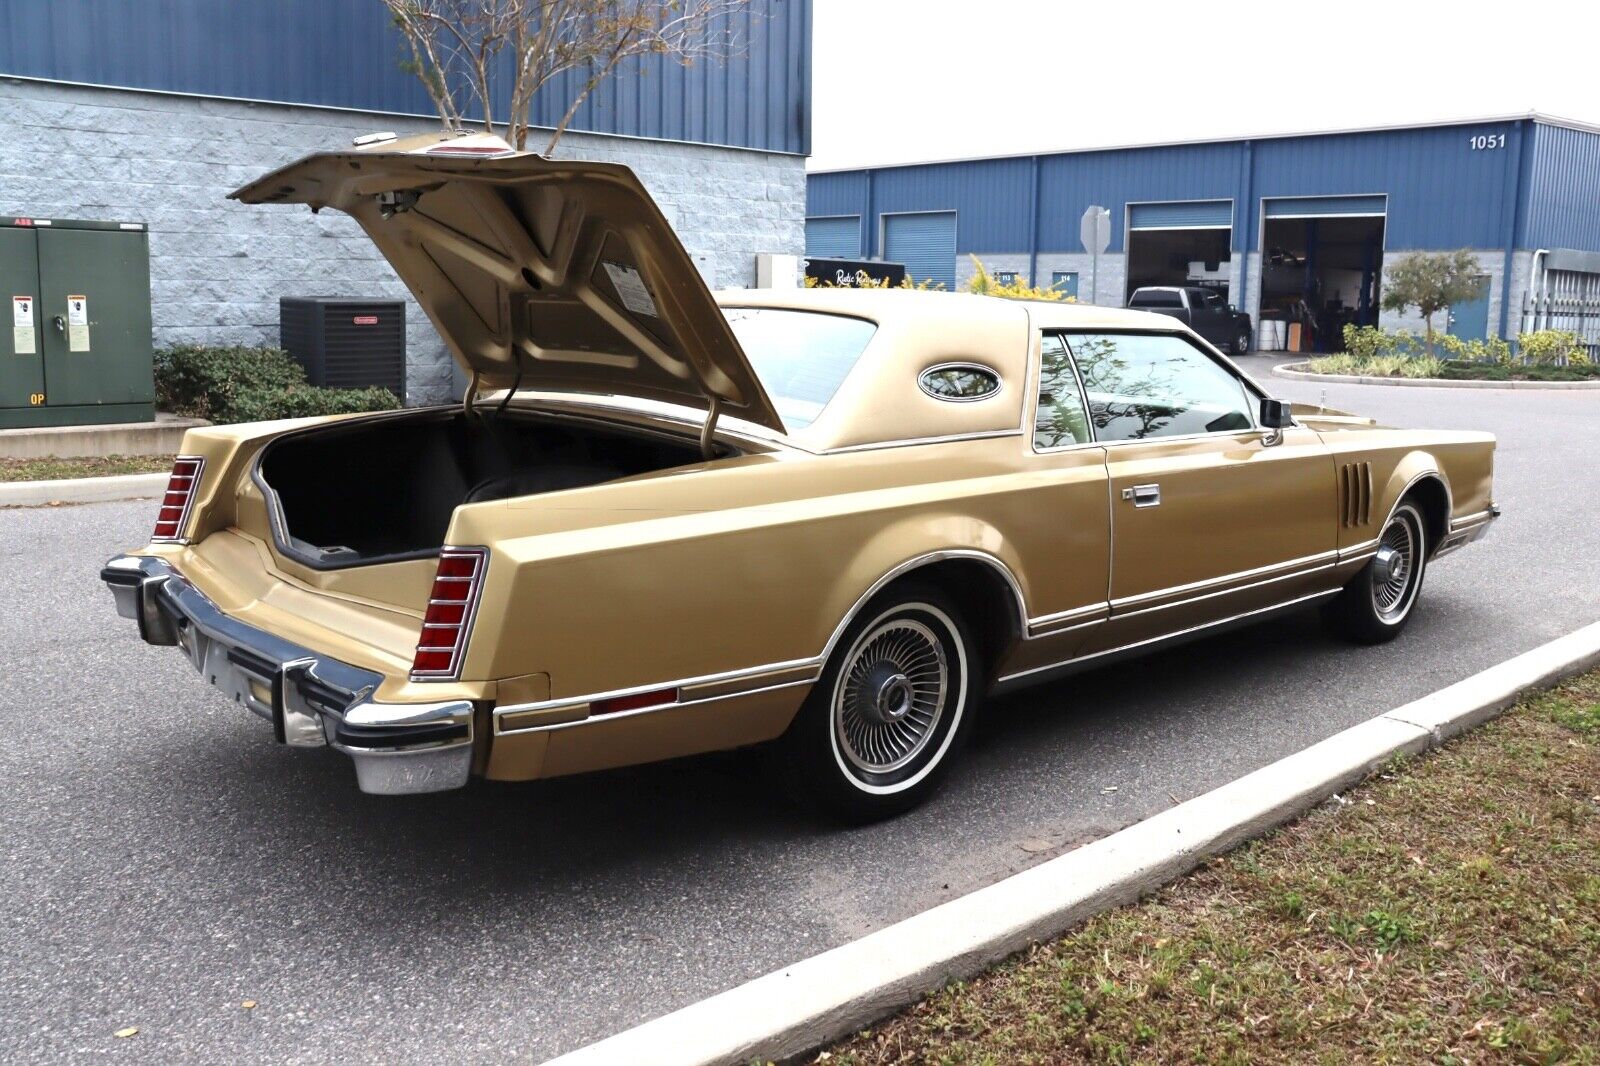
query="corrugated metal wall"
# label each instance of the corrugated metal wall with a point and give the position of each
(1446, 187)
(925, 242)
(1563, 179)
(1442, 193)
(834, 238)
(344, 53)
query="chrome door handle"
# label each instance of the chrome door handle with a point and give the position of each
(1143, 495)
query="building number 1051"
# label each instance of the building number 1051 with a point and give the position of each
(1484, 141)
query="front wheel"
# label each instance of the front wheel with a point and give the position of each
(1375, 606)
(1241, 342)
(894, 704)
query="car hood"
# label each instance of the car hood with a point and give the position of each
(560, 275)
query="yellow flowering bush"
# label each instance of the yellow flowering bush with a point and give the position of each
(984, 284)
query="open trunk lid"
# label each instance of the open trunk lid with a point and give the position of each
(560, 275)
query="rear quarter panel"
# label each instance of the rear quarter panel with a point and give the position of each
(656, 580)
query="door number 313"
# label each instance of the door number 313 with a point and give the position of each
(1484, 141)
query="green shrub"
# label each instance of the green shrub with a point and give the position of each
(1342, 363)
(250, 384)
(1551, 347)
(1371, 342)
(1422, 366)
(1489, 350)
(1367, 342)
(304, 401)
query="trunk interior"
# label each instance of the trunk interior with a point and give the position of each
(386, 489)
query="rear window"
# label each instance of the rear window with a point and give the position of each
(801, 357)
(1155, 298)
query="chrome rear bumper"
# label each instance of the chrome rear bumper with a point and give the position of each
(309, 699)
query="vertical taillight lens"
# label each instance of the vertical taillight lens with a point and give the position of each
(448, 621)
(179, 498)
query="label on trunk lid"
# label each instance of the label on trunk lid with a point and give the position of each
(631, 289)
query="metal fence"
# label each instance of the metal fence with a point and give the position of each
(1565, 300)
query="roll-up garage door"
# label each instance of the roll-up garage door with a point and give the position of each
(1197, 214)
(834, 238)
(1325, 207)
(925, 243)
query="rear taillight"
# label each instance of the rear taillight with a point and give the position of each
(179, 498)
(448, 622)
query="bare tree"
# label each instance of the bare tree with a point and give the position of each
(459, 49)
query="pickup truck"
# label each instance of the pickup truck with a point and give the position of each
(1203, 310)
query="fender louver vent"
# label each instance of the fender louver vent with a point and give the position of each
(1355, 494)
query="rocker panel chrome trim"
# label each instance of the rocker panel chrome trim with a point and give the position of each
(1039, 673)
(1221, 586)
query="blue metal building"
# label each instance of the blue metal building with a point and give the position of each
(346, 54)
(1295, 227)
(149, 112)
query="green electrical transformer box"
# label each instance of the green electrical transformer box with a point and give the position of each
(78, 350)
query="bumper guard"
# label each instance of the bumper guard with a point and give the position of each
(309, 699)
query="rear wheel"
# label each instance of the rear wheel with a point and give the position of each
(1375, 606)
(893, 706)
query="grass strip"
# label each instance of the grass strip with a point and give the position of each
(1446, 910)
(88, 466)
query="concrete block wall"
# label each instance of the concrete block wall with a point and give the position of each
(1493, 262)
(1521, 271)
(218, 267)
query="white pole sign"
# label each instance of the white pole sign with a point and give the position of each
(1094, 229)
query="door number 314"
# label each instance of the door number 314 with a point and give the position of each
(1484, 141)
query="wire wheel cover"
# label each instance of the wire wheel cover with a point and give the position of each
(892, 694)
(1396, 567)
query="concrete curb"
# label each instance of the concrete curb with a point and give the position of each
(164, 436)
(804, 1006)
(81, 490)
(1287, 370)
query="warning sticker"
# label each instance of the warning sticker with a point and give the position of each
(23, 341)
(630, 287)
(77, 323)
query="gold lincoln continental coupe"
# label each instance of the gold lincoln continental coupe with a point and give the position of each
(664, 522)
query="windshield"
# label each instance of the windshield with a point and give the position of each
(801, 357)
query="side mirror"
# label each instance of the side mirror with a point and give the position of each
(1275, 414)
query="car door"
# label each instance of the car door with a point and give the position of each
(1211, 516)
(1061, 527)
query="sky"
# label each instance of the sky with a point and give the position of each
(898, 81)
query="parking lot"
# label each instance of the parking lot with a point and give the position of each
(164, 862)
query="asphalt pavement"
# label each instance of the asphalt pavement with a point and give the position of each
(164, 861)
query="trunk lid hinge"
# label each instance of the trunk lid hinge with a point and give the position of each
(707, 435)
